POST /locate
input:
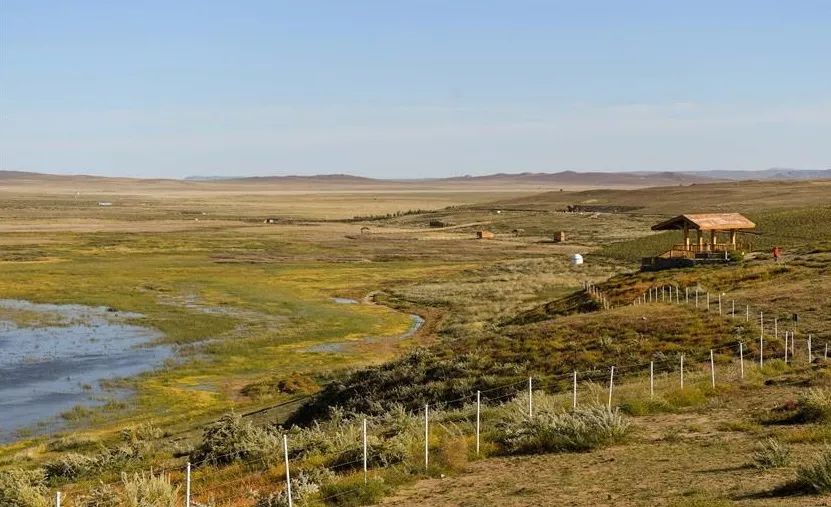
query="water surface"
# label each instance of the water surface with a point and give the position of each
(52, 358)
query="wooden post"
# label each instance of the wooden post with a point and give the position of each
(366, 471)
(530, 398)
(687, 295)
(776, 328)
(786, 347)
(708, 301)
(747, 313)
(810, 351)
(761, 340)
(187, 486)
(288, 475)
(651, 379)
(696, 296)
(733, 308)
(611, 384)
(719, 303)
(478, 423)
(426, 437)
(712, 369)
(574, 392)
(741, 358)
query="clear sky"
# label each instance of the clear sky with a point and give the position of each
(412, 88)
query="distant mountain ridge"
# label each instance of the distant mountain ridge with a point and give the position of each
(545, 180)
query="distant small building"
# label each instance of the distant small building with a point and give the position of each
(485, 235)
(559, 236)
(271, 220)
(365, 230)
(105, 203)
(518, 232)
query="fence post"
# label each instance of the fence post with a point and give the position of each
(478, 412)
(366, 472)
(686, 295)
(187, 487)
(57, 499)
(747, 313)
(426, 437)
(786, 347)
(708, 301)
(682, 371)
(611, 384)
(761, 340)
(776, 328)
(663, 293)
(741, 358)
(574, 390)
(712, 369)
(810, 351)
(733, 308)
(719, 303)
(288, 475)
(826, 351)
(530, 398)
(651, 379)
(696, 296)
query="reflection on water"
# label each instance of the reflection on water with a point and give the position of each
(52, 357)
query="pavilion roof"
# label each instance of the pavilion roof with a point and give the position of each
(706, 222)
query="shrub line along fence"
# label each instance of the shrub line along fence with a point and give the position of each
(553, 384)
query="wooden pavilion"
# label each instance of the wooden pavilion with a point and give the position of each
(704, 249)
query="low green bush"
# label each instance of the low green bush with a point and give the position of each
(547, 431)
(231, 438)
(771, 453)
(353, 492)
(148, 490)
(23, 488)
(816, 477)
(814, 406)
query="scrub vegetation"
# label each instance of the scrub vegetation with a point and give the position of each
(263, 349)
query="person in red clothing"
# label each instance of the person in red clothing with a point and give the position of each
(777, 253)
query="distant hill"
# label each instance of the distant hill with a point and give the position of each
(542, 181)
(775, 173)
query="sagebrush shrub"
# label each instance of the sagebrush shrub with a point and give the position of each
(231, 438)
(148, 490)
(102, 495)
(816, 477)
(547, 431)
(23, 488)
(814, 406)
(771, 453)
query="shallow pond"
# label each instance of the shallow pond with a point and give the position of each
(52, 358)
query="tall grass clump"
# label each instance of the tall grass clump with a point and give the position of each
(771, 453)
(23, 488)
(552, 431)
(148, 490)
(816, 477)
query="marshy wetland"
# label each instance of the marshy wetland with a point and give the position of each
(140, 316)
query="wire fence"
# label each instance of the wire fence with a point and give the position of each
(205, 482)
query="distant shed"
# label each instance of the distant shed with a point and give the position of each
(485, 235)
(559, 236)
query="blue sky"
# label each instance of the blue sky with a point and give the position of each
(411, 89)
